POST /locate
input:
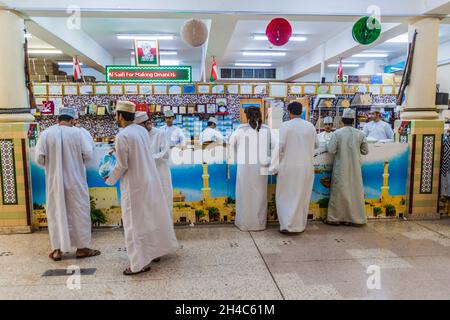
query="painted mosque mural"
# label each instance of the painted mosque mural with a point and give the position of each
(205, 193)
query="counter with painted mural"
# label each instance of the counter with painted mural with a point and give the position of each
(206, 192)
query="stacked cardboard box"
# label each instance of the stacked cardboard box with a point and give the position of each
(60, 78)
(43, 67)
(43, 70)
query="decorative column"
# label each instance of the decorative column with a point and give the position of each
(420, 126)
(15, 127)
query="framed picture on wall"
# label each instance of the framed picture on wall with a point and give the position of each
(218, 88)
(182, 110)
(211, 108)
(189, 89)
(145, 89)
(203, 89)
(175, 89)
(175, 110)
(233, 89)
(201, 108)
(86, 89)
(191, 109)
(146, 52)
(131, 89)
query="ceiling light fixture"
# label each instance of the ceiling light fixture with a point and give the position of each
(169, 62)
(371, 55)
(250, 64)
(403, 38)
(292, 38)
(264, 53)
(145, 37)
(44, 51)
(67, 63)
(344, 65)
(168, 53)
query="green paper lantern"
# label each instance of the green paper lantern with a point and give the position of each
(366, 30)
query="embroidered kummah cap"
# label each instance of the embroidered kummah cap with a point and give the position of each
(213, 120)
(328, 120)
(349, 114)
(126, 106)
(70, 112)
(169, 113)
(140, 117)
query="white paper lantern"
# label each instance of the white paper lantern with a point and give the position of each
(194, 32)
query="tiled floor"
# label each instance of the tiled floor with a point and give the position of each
(326, 262)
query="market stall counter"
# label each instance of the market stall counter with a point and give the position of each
(204, 185)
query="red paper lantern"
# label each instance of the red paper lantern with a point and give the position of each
(278, 31)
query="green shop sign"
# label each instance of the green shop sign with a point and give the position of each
(148, 74)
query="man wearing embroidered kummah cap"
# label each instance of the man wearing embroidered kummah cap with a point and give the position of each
(160, 150)
(63, 149)
(325, 136)
(174, 135)
(377, 128)
(211, 134)
(148, 226)
(346, 203)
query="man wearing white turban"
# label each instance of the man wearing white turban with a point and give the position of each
(149, 232)
(160, 150)
(346, 203)
(63, 150)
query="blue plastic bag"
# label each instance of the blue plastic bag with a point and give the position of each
(106, 165)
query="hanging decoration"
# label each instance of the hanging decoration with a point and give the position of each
(194, 33)
(366, 30)
(340, 72)
(278, 31)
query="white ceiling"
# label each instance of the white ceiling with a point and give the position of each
(104, 32)
(319, 21)
(242, 39)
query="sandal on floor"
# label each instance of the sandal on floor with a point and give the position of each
(331, 223)
(128, 272)
(57, 257)
(87, 253)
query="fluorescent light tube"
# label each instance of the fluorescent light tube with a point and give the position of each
(44, 51)
(344, 65)
(144, 37)
(264, 53)
(371, 55)
(249, 64)
(292, 38)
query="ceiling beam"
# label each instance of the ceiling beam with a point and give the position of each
(280, 7)
(72, 42)
(220, 33)
(340, 46)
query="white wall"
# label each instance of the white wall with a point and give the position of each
(86, 72)
(315, 77)
(443, 78)
(369, 68)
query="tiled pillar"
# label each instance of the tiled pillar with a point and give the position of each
(425, 141)
(15, 127)
(420, 127)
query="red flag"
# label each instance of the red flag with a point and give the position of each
(340, 72)
(76, 69)
(213, 70)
